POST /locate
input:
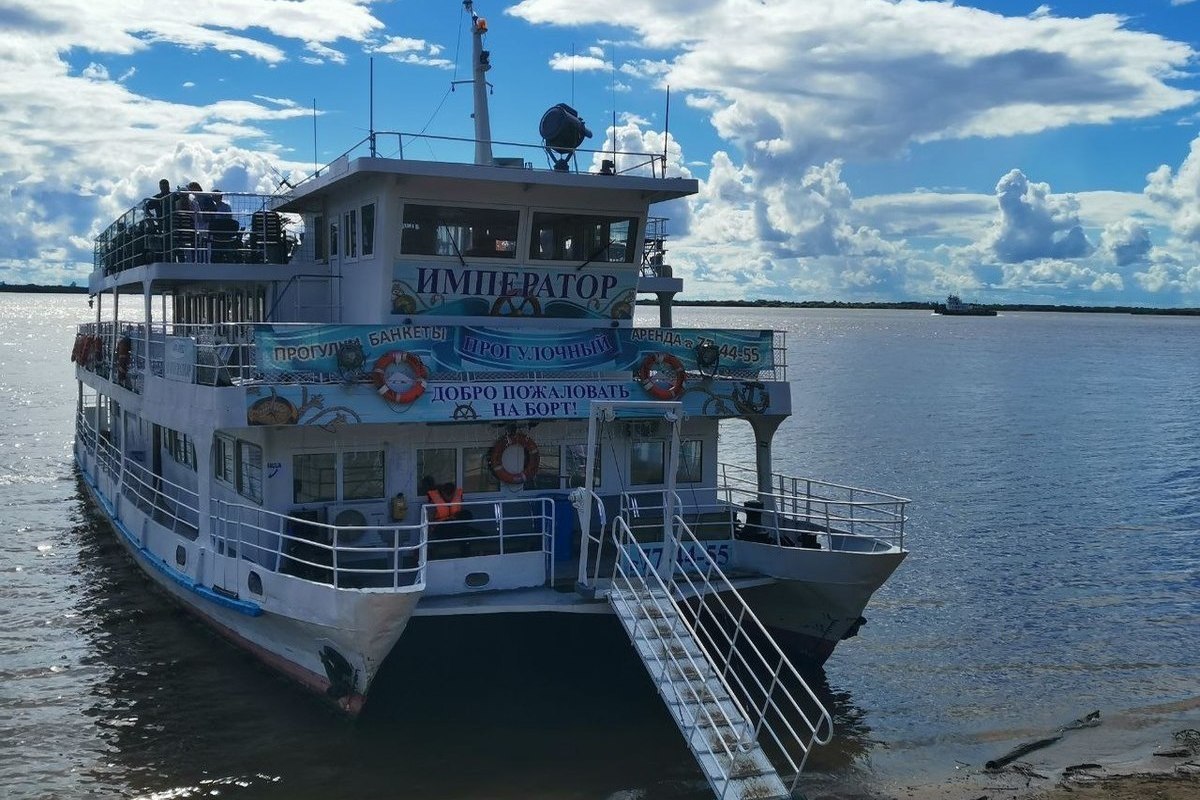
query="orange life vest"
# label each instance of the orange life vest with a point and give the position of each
(444, 509)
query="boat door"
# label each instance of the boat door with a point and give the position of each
(604, 421)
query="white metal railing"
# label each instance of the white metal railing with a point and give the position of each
(169, 504)
(804, 510)
(493, 527)
(357, 557)
(772, 699)
(191, 226)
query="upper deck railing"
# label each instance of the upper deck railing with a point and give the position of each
(520, 155)
(204, 227)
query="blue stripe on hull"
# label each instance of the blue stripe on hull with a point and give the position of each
(240, 606)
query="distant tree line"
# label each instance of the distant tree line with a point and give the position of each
(911, 305)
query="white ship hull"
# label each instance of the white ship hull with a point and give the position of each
(335, 652)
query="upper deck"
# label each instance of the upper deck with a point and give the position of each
(386, 241)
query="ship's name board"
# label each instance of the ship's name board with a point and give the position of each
(509, 283)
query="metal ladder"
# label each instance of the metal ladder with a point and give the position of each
(743, 709)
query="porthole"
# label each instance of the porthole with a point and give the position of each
(477, 580)
(181, 555)
(254, 582)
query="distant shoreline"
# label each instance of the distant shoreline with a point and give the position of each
(37, 288)
(907, 305)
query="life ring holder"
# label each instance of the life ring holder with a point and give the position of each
(645, 376)
(384, 364)
(532, 458)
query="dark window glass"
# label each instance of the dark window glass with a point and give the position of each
(452, 231)
(582, 237)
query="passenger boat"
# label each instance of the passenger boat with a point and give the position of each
(407, 389)
(955, 307)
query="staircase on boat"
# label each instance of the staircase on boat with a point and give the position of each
(746, 714)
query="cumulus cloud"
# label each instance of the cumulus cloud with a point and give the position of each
(1034, 224)
(1178, 191)
(866, 78)
(62, 188)
(408, 50)
(1126, 242)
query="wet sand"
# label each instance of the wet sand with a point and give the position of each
(1083, 764)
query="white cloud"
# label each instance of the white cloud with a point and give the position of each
(95, 72)
(577, 62)
(1034, 224)
(1178, 192)
(1127, 242)
(866, 78)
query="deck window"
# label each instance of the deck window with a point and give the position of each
(691, 463)
(350, 231)
(181, 448)
(314, 477)
(362, 475)
(582, 237)
(575, 462)
(249, 475)
(223, 463)
(441, 465)
(646, 463)
(455, 231)
(477, 471)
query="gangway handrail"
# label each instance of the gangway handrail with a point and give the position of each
(745, 617)
(621, 533)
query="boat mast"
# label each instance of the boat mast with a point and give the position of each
(481, 64)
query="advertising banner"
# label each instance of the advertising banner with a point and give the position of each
(406, 396)
(352, 351)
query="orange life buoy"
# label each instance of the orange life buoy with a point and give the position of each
(123, 348)
(92, 352)
(388, 365)
(647, 374)
(532, 457)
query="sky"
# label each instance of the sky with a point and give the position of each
(854, 150)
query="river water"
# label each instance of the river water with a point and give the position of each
(1054, 465)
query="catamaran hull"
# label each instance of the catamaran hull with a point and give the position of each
(818, 596)
(336, 658)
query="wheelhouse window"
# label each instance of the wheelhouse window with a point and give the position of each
(477, 471)
(249, 474)
(367, 215)
(582, 237)
(350, 231)
(318, 229)
(457, 231)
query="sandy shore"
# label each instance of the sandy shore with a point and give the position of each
(1083, 765)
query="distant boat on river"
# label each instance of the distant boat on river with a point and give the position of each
(955, 307)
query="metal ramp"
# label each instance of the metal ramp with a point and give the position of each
(744, 711)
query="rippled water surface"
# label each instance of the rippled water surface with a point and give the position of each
(1054, 465)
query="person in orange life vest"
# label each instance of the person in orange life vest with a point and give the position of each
(447, 502)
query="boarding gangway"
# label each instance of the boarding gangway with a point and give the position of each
(746, 714)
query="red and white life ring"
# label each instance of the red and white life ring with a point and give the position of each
(650, 372)
(397, 362)
(531, 458)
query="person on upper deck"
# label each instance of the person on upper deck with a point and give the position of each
(206, 204)
(159, 206)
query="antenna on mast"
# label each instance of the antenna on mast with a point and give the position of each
(481, 60)
(316, 163)
(666, 131)
(371, 122)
